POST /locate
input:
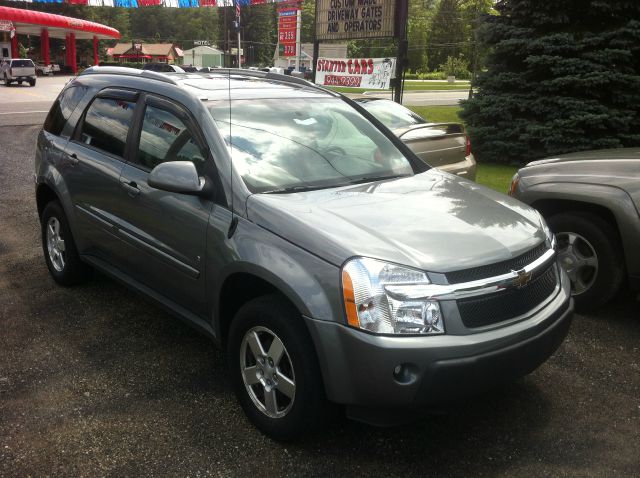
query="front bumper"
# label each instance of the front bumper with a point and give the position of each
(358, 368)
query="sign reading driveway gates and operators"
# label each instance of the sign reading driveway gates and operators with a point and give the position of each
(373, 73)
(347, 19)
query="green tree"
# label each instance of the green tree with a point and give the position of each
(561, 76)
(420, 15)
(446, 33)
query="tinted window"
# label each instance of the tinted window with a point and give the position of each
(305, 143)
(107, 124)
(165, 137)
(62, 109)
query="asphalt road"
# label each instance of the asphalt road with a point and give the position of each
(96, 381)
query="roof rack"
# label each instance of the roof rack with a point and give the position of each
(271, 76)
(126, 71)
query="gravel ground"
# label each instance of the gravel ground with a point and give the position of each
(95, 381)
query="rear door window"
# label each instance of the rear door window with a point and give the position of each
(62, 109)
(106, 125)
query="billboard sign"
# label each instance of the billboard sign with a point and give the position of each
(348, 19)
(370, 73)
(287, 31)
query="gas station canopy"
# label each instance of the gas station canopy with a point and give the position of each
(30, 22)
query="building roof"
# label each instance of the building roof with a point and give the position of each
(153, 49)
(31, 22)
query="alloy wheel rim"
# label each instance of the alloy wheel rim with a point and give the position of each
(578, 258)
(267, 372)
(55, 244)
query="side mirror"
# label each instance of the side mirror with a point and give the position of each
(177, 177)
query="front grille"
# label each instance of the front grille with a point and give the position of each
(499, 268)
(508, 304)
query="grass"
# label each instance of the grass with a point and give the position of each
(494, 176)
(438, 114)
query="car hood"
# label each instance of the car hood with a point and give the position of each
(433, 221)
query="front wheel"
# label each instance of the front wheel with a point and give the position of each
(274, 368)
(59, 248)
(589, 250)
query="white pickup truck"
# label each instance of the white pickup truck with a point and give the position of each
(18, 70)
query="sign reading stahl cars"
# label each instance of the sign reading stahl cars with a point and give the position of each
(347, 19)
(370, 73)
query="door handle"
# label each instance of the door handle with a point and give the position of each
(73, 159)
(130, 186)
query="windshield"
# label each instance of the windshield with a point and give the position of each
(21, 63)
(283, 145)
(391, 114)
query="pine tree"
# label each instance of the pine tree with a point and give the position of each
(562, 75)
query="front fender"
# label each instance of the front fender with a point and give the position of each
(309, 282)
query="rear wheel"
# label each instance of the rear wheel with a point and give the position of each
(7, 82)
(32, 82)
(19, 82)
(59, 248)
(274, 368)
(589, 250)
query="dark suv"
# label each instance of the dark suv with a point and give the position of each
(287, 223)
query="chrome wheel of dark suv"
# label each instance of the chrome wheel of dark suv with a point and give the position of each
(55, 244)
(267, 372)
(59, 248)
(274, 368)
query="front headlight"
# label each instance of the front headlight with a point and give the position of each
(385, 298)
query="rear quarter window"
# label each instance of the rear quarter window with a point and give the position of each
(62, 109)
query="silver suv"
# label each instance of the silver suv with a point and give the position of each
(288, 224)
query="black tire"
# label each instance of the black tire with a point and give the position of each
(32, 82)
(308, 408)
(595, 233)
(71, 270)
(7, 82)
(20, 82)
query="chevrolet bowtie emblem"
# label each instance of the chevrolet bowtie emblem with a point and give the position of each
(522, 278)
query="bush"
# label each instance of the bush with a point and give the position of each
(457, 67)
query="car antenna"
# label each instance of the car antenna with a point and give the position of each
(234, 219)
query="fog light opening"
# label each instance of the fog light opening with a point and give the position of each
(405, 373)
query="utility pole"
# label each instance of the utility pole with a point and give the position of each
(238, 27)
(402, 13)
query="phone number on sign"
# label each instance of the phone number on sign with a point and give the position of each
(351, 81)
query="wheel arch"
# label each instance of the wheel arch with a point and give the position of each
(44, 195)
(243, 285)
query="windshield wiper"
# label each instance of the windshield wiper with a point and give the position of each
(370, 179)
(298, 189)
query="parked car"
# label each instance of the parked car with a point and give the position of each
(163, 67)
(189, 68)
(329, 260)
(445, 146)
(591, 201)
(18, 70)
(42, 69)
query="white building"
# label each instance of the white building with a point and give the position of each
(203, 56)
